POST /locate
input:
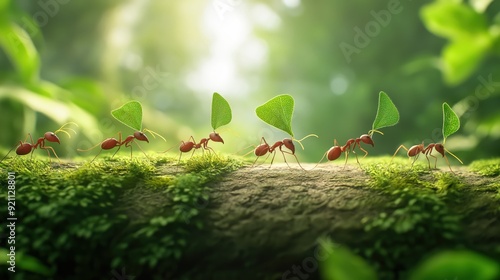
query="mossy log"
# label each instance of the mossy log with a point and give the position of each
(162, 221)
(265, 223)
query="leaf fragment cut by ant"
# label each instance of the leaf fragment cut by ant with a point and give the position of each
(221, 111)
(130, 114)
(278, 112)
(387, 113)
(451, 122)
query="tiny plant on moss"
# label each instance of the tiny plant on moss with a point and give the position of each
(130, 114)
(278, 112)
(451, 124)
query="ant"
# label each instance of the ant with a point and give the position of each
(25, 147)
(191, 144)
(415, 150)
(186, 147)
(334, 152)
(111, 143)
(263, 148)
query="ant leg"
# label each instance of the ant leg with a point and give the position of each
(47, 148)
(256, 161)
(283, 152)
(272, 160)
(397, 150)
(415, 159)
(346, 157)
(140, 149)
(448, 162)
(366, 152)
(96, 156)
(268, 154)
(119, 147)
(319, 161)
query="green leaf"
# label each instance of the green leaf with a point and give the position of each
(451, 122)
(387, 113)
(341, 264)
(17, 45)
(462, 57)
(278, 112)
(221, 111)
(130, 114)
(25, 262)
(453, 20)
(457, 265)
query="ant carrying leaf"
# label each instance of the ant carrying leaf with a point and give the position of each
(451, 124)
(278, 112)
(221, 115)
(387, 115)
(130, 114)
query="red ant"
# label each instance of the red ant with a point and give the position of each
(191, 144)
(415, 151)
(334, 152)
(25, 147)
(264, 148)
(111, 143)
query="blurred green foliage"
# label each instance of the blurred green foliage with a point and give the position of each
(69, 60)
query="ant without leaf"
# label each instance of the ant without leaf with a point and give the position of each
(264, 148)
(25, 147)
(334, 152)
(111, 143)
(415, 150)
(191, 144)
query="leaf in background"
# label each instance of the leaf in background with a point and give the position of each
(457, 265)
(130, 114)
(387, 113)
(56, 110)
(278, 112)
(25, 262)
(462, 57)
(221, 111)
(18, 46)
(341, 264)
(453, 20)
(451, 122)
(480, 5)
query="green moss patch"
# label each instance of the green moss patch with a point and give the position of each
(109, 214)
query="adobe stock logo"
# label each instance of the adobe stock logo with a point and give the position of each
(363, 37)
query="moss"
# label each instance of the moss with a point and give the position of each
(90, 209)
(487, 167)
(418, 199)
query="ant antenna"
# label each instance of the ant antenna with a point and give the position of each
(154, 133)
(371, 131)
(307, 136)
(453, 155)
(65, 129)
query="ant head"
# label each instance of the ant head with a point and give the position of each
(289, 144)
(439, 148)
(367, 139)
(51, 137)
(139, 135)
(214, 136)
